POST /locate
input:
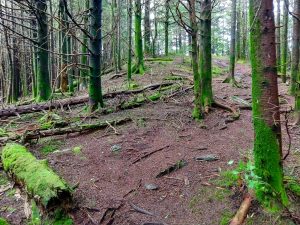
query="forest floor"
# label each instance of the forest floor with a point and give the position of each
(114, 179)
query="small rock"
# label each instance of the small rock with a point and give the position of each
(116, 148)
(207, 158)
(151, 187)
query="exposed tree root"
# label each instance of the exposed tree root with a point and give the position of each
(241, 214)
(16, 110)
(235, 113)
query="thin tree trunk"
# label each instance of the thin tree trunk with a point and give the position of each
(139, 66)
(278, 44)
(284, 43)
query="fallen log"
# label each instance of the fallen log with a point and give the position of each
(16, 110)
(41, 183)
(241, 214)
(75, 128)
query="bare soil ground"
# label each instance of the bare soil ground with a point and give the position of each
(112, 185)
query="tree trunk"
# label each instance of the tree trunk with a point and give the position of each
(295, 60)
(43, 74)
(84, 72)
(95, 89)
(231, 78)
(197, 112)
(205, 55)
(139, 66)
(167, 28)
(266, 115)
(284, 42)
(147, 27)
(278, 44)
(63, 47)
(129, 63)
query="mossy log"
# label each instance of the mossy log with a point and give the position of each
(75, 128)
(16, 110)
(40, 181)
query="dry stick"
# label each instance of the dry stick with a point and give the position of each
(149, 153)
(140, 210)
(241, 214)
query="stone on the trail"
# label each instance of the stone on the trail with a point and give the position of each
(207, 158)
(151, 187)
(116, 148)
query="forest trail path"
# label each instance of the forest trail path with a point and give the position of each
(113, 176)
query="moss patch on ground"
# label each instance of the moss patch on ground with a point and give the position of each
(3, 221)
(50, 145)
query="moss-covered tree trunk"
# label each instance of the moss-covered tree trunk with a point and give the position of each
(95, 89)
(205, 55)
(284, 43)
(139, 67)
(230, 78)
(295, 76)
(129, 63)
(266, 115)
(147, 27)
(197, 112)
(43, 73)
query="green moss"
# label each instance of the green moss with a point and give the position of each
(59, 218)
(173, 77)
(35, 215)
(11, 192)
(3, 221)
(226, 217)
(3, 179)
(217, 71)
(167, 59)
(3, 133)
(77, 150)
(154, 97)
(266, 145)
(41, 182)
(292, 185)
(50, 145)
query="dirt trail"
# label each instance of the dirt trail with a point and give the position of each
(111, 188)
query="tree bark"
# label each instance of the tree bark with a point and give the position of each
(266, 115)
(95, 43)
(284, 42)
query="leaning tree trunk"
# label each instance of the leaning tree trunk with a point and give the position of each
(139, 66)
(43, 73)
(205, 55)
(95, 89)
(284, 42)
(266, 115)
(295, 76)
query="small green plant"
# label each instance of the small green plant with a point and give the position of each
(35, 214)
(226, 217)
(3, 133)
(77, 150)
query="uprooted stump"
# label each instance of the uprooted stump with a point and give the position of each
(41, 183)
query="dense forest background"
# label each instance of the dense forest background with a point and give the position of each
(149, 112)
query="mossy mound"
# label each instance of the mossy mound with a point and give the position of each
(41, 182)
(3, 221)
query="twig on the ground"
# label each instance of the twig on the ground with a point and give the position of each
(140, 210)
(147, 154)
